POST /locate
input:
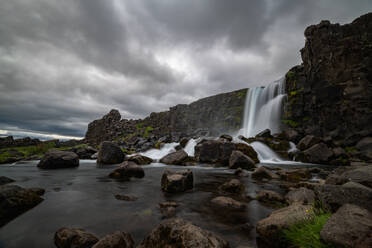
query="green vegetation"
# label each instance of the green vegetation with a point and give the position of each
(147, 131)
(32, 150)
(291, 123)
(350, 149)
(4, 157)
(139, 126)
(306, 118)
(306, 234)
(242, 93)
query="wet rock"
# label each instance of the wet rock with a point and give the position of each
(234, 186)
(239, 160)
(5, 180)
(270, 228)
(227, 203)
(270, 196)
(301, 195)
(264, 134)
(180, 233)
(110, 153)
(15, 200)
(127, 170)
(38, 191)
(85, 152)
(94, 156)
(334, 196)
(350, 226)
(126, 197)
(177, 181)
(261, 173)
(175, 158)
(226, 137)
(295, 175)
(74, 238)
(140, 159)
(183, 142)
(307, 142)
(319, 153)
(214, 151)
(55, 159)
(291, 135)
(116, 240)
(365, 147)
(362, 175)
(168, 209)
(248, 151)
(240, 172)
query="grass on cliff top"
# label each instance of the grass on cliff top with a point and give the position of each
(306, 234)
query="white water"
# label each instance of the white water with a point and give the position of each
(157, 154)
(263, 109)
(265, 154)
(190, 147)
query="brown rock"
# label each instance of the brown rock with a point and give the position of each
(116, 240)
(74, 238)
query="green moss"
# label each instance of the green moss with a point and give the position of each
(139, 126)
(291, 123)
(4, 157)
(242, 93)
(158, 145)
(306, 234)
(147, 131)
(33, 150)
(350, 149)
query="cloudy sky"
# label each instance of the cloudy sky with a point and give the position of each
(66, 63)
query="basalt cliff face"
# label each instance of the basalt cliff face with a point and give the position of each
(330, 94)
(208, 116)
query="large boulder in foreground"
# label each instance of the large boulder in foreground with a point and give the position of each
(127, 170)
(335, 196)
(14, 201)
(239, 160)
(175, 158)
(270, 228)
(177, 181)
(180, 233)
(55, 159)
(74, 238)
(115, 240)
(350, 226)
(110, 153)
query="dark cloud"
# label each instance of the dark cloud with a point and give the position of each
(65, 63)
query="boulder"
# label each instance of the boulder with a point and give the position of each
(116, 240)
(175, 158)
(270, 228)
(226, 137)
(110, 153)
(319, 153)
(365, 147)
(127, 170)
(264, 134)
(85, 152)
(140, 159)
(74, 238)
(38, 191)
(350, 226)
(177, 181)
(247, 150)
(214, 151)
(295, 175)
(227, 203)
(54, 159)
(5, 180)
(14, 201)
(301, 195)
(362, 175)
(234, 186)
(270, 196)
(180, 233)
(239, 160)
(307, 142)
(261, 173)
(183, 142)
(291, 135)
(334, 196)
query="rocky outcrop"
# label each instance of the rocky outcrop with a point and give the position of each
(330, 94)
(110, 153)
(55, 159)
(239, 160)
(177, 181)
(175, 158)
(179, 233)
(14, 201)
(350, 226)
(72, 237)
(208, 116)
(11, 142)
(140, 159)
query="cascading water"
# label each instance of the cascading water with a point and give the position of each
(263, 108)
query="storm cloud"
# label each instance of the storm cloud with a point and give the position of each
(66, 63)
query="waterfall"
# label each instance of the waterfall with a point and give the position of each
(263, 108)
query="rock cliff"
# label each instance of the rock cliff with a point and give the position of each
(208, 116)
(330, 94)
